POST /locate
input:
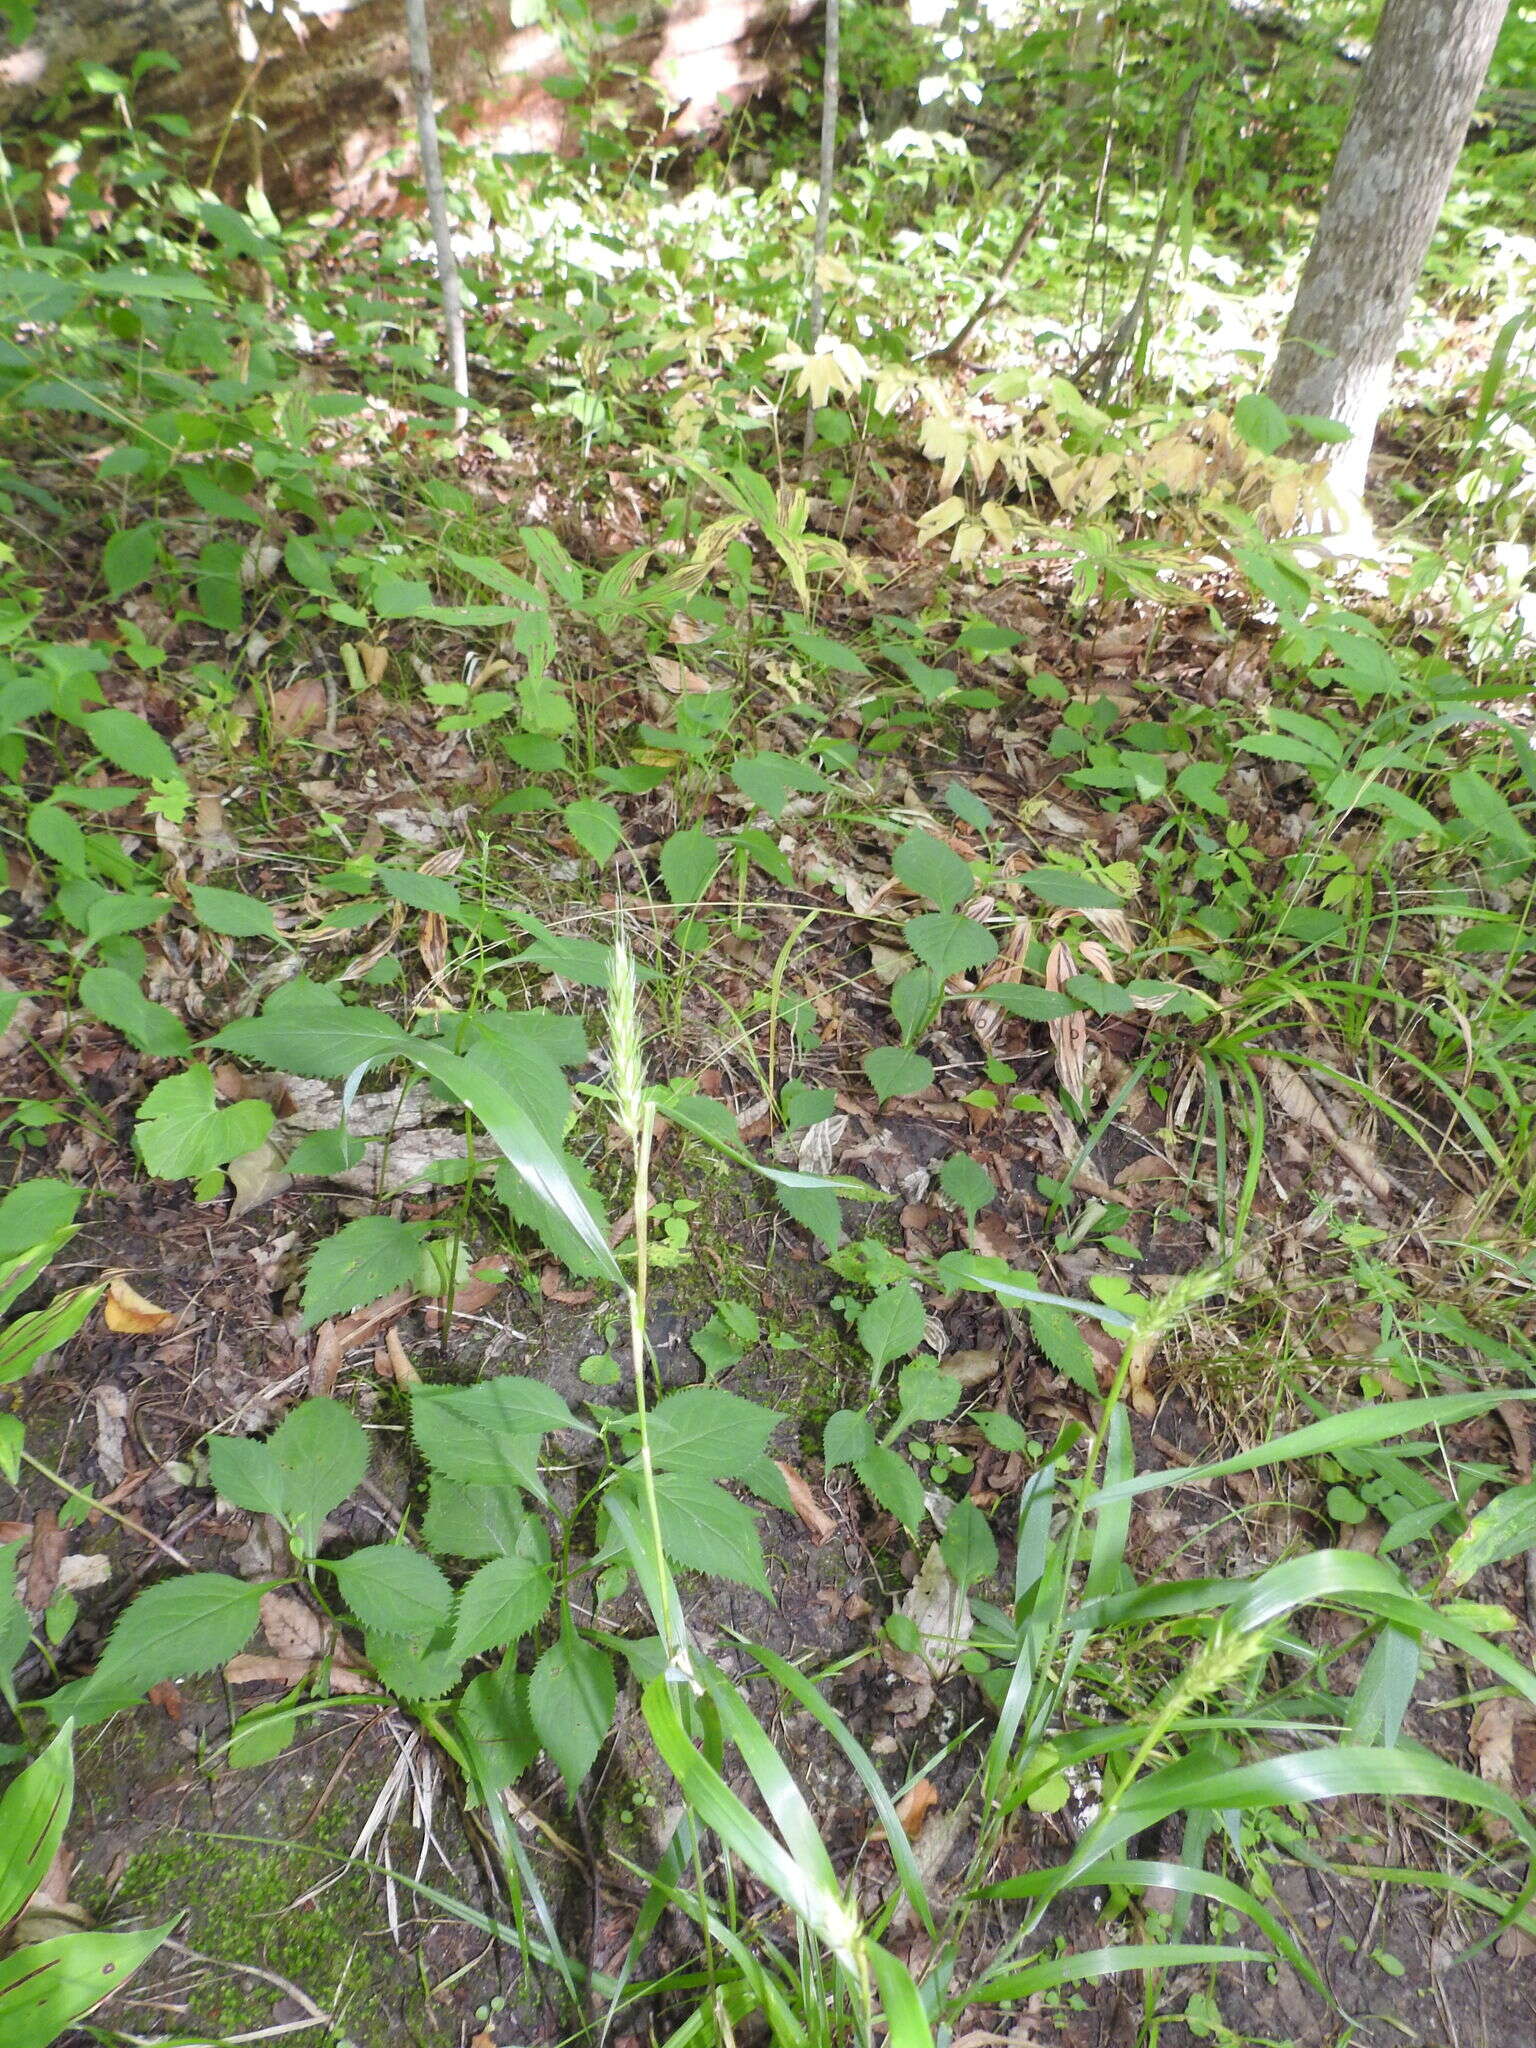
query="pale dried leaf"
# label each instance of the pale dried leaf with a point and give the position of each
(815, 1517)
(298, 708)
(257, 1176)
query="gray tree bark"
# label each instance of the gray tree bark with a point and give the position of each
(1393, 170)
(420, 38)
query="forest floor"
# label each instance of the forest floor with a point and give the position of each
(1105, 892)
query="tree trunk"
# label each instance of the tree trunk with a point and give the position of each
(1389, 183)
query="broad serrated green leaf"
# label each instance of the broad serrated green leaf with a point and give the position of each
(503, 1602)
(968, 1546)
(466, 1520)
(231, 912)
(130, 743)
(35, 1210)
(891, 1325)
(815, 1209)
(315, 1458)
(1065, 1346)
(770, 780)
(1487, 811)
(326, 1153)
(1063, 889)
(412, 1669)
(571, 1695)
(707, 1432)
(418, 891)
(179, 1628)
(703, 1529)
(967, 1184)
(366, 1259)
(118, 1000)
(488, 1434)
(395, 1591)
(890, 1480)
(848, 1436)
(316, 1035)
(55, 832)
(130, 558)
(688, 862)
(894, 1070)
(930, 868)
(595, 826)
(181, 1132)
(308, 565)
(498, 1729)
(948, 943)
(926, 1393)
(1260, 422)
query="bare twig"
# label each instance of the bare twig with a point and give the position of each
(831, 92)
(949, 350)
(437, 202)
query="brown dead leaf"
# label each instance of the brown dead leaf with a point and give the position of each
(936, 1606)
(324, 1360)
(293, 1629)
(298, 708)
(1151, 1167)
(677, 680)
(1502, 1738)
(44, 1559)
(111, 1405)
(553, 1287)
(373, 661)
(914, 1807)
(1299, 1102)
(288, 1671)
(257, 1176)
(821, 1525)
(365, 1323)
(971, 1368)
(15, 1532)
(166, 1695)
(126, 1312)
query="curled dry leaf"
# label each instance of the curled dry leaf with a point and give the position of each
(129, 1314)
(401, 1370)
(325, 1360)
(373, 661)
(914, 1807)
(1298, 1101)
(821, 1525)
(1069, 1035)
(938, 1609)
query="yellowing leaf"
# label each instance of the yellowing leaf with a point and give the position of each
(129, 1314)
(947, 441)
